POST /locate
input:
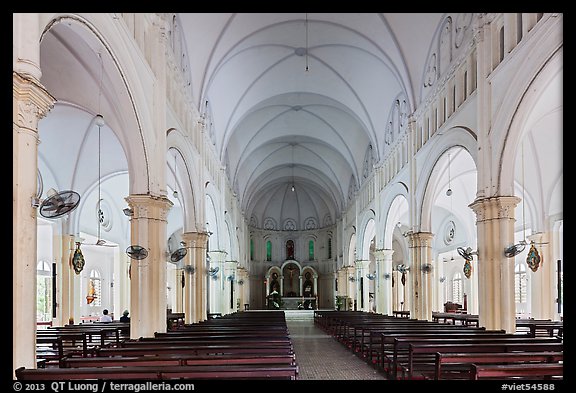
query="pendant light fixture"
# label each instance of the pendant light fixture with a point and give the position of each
(306, 23)
(99, 121)
(292, 165)
(175, 193)
(449, 190)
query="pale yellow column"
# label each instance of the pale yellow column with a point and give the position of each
(495, 225)
(420, 244)
(66, 278)
(198, 248)
(384, 285)
(188, 293)
(30, 102)
(542, 281)
(148, 275)
(197, 297)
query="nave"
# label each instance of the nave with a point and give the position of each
(319, 356)
(302, 345)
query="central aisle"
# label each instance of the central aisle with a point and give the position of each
(321, 357)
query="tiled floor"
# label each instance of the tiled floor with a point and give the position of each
(321, 357)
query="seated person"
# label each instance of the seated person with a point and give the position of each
(105, 317)
(125, 317)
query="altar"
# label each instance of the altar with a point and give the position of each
(291, 303)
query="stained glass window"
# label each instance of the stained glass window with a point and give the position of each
(311, 250)
(43, 292)
(95, 288)
(520, 283)
(269, 251)
(457, 288)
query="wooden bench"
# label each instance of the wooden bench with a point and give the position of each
(381, 344)
(517, 371)
(404, 350)
(179, 360)
(160, 372)
(449, 365)
(541, 327)
(422, 355)
(52, 347)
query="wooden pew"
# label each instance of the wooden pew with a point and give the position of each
(52, 347)
(449, 365)
(404, 349)
(421, 354)
(541, 327)
(378, 349)
(179, 360)
(159, 372)
(517, 371)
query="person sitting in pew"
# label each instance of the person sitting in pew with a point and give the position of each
(125, 317)
(105, 317)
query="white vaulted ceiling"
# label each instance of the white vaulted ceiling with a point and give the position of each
(275, 124)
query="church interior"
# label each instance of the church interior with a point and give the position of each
(298, 171)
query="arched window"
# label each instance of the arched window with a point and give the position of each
(268, 250)
(290, 249)
(329, 248)
(311, 250)
(43, 292)
(251, 249)
(94, 296)
(457, 290)
(520, 284)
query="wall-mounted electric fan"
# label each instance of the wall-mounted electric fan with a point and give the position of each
(136, 252)
(58, 204)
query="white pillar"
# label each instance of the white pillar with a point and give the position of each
(148, 275)
(384, 281)
(217, 282)
(229, 296)
(30, 102)
(495, 225)
(350, 271)
(542, 288)
(362, 287)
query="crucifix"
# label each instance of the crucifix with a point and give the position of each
(291, 268)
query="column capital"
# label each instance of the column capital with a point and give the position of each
(362, 263)
(195, 239)
(217, 256)
(382, 253)
(31, 100)
(149, 206)
(494, 207)
(420, 239)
